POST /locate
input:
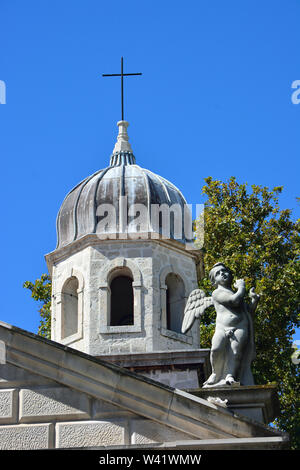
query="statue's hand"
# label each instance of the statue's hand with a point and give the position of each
(253, 295)
(239, 284)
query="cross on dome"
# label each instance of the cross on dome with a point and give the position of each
(122, 75)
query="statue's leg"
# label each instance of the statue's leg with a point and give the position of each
(237, 345)
(217, 356)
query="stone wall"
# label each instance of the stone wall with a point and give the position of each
(36, 413)
(165, 261)
(149, 263)
(77, 264)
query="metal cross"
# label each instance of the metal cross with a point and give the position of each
(122, 74)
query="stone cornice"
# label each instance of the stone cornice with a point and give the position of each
(94, 240)
(183, 356)
(247, 443)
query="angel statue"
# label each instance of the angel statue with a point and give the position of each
(232, 348)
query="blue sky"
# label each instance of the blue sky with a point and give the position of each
(214, 100)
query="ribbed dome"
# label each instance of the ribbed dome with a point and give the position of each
(85, 206)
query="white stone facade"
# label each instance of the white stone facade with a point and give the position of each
(49, 416)
(149, 263)
(54, 397)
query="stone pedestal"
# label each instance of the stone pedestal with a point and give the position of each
(179, 369)
(258, 402)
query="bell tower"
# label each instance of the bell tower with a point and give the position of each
(123, 269)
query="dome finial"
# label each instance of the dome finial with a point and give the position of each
(122, 152)
(122, 144)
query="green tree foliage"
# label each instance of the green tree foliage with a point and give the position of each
(260, 243)
(41, 291)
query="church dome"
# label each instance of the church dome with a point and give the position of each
(85, 209)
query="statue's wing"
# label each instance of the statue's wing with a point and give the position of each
(195, 307)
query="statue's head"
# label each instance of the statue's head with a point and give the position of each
(220, 274)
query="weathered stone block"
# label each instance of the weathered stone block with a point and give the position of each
(2, 353)
(90, 433)
(147, 252)
(26, 437)
(11, 376)
(134, 253)
(58, 403)
(8, 406)
(146, 431)
(102, 408)
(174, 378)
(258, 402)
